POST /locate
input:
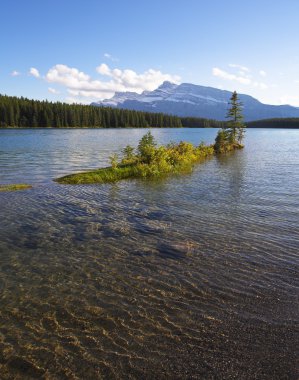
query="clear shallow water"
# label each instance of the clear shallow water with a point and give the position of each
(193, 277)
(40, 155)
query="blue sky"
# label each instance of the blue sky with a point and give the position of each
(85, 50)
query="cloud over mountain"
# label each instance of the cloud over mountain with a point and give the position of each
(241, 75)
(79, 84)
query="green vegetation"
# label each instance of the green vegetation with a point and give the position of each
(232, 133)
(199, 122)
(15, 187)
(25, 113)
(149, 160)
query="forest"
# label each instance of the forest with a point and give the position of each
(287, 122)
(26, 113)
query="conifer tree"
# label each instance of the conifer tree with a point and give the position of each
(235, 125)
(231, 134)
(146, 147)
(22, 112)
(221, 141)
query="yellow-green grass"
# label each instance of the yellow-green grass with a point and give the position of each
(102, 175)
(160, 161)
(15, 187)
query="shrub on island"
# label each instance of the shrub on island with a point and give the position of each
(148, 160)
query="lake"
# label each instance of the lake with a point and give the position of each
(189, 277)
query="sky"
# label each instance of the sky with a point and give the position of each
(85, 50)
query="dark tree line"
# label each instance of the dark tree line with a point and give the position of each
(26, 113)
(275, 123)
(199, 122)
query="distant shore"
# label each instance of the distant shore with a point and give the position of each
(251, 125)
(25, 113)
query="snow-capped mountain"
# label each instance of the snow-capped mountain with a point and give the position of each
(188, 99)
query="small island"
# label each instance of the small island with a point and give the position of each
(15, 187)
(150, 160)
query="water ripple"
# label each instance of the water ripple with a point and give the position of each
(194, 277)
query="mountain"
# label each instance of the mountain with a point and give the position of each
(189, 99)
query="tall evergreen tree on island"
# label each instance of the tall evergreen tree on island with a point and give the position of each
(235, 124)
(232, 133)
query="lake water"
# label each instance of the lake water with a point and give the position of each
(191, 277)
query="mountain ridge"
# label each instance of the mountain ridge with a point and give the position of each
(191, 100)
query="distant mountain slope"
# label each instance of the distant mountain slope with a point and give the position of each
(188, 99)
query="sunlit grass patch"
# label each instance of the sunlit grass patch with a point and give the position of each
(15, 187)
(148, 161)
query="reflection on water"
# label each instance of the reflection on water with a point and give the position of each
(193, 277)
(40, 155)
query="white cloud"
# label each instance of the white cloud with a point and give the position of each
(53, 90)
(82, 85)
(242, 77)
(72, 100)
(109, 56)
(227, 76)
(262, 73)
(15, 73)
(103, 69)
(260, 85)
(34, 72)
(287, 99)
(129, 79)
(242, 68)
